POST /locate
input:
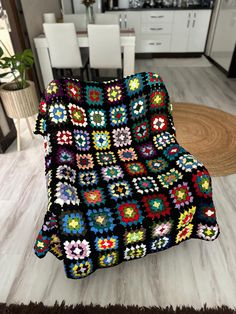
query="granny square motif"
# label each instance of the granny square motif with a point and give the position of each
(119, 184)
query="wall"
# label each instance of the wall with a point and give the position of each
(33, 13)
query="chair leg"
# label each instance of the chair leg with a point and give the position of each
(18, 134)
(70, 72)
(119, 73)
(97, 74)
(54, 72)
(62, 73)
(82, 74)
(29, 128)
(93, 74)
(87, 71)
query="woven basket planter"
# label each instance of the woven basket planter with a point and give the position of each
(21, 103)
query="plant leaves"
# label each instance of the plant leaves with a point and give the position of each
(4, 74)
(17, 64)
(1, 52)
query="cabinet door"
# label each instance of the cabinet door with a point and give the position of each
(129, 19)
(180, 30)
(121, 20)
(132, 20)
(198, 30)
(119, 16)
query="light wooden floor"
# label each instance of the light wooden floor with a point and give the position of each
(193, 273)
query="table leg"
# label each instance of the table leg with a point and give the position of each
(45, 65)
(129, 59)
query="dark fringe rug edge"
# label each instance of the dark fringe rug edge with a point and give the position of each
(38, 308)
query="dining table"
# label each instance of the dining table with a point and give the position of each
(127, 41)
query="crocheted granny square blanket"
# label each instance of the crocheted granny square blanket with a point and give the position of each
(119, 184)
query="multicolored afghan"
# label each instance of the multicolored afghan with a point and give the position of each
(119, 184)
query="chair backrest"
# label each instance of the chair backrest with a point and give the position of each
(79, 21)
(104, 19)
(104, 46)
(63, 45)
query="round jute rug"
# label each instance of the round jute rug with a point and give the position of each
(209, 134)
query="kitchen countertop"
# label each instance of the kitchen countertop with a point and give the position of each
(161, 9)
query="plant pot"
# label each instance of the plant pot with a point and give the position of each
(21, 103)
(18, 104)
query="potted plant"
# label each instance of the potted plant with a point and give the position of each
(18, 96)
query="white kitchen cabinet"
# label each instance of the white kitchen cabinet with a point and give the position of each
(160, 43)
(167, 30)
(130, 19)
(198, 30)
(180, 31)
(156, 28)
(122, 19)
(189, 31)
(160, 28)
(157, 16)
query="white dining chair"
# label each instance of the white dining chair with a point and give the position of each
(79, 21)
(104, 19)
(63, 47)
(104, 48)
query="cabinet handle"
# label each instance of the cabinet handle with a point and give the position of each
(151, 44)
(156, 16)
(188, 23)
(158, 44)
(125, 20)
(194, 21)
(156, 28)
(120, 20)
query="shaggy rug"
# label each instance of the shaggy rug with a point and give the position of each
(34, 308)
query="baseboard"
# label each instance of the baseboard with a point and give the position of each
(167, 55)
